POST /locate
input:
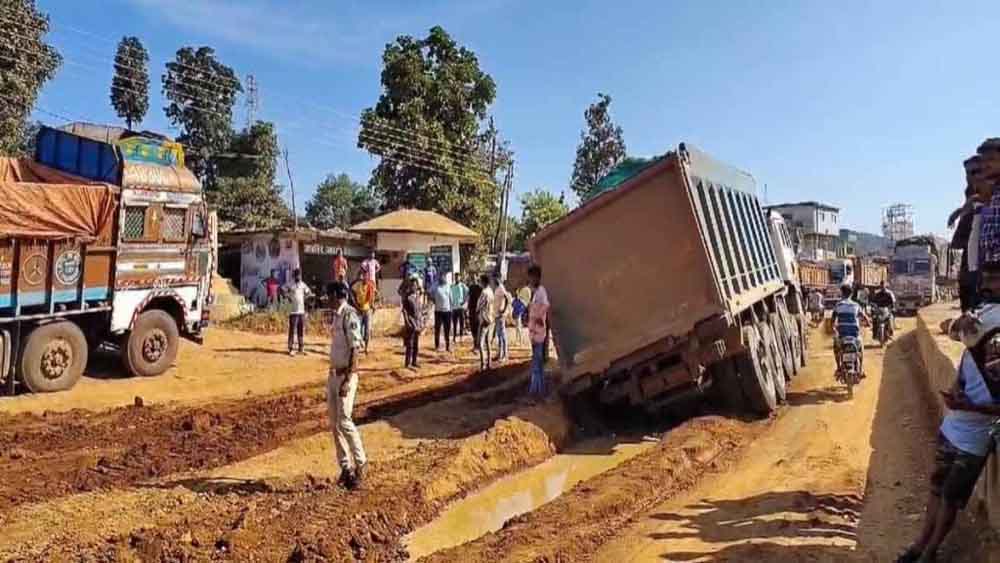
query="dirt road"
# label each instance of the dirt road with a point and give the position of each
(222, 475)
(831, 478)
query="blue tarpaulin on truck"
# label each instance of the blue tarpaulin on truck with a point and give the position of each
(621, 173)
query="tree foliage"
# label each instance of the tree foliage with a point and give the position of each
(247, 191)
(130, 85)
(425, 128)
(250, 203)
(601, 148)
(202, 92)
(27, 62)
(341, 202)
(252, 152)
(539, 208)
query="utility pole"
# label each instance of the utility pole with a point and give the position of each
(505, 209)
(291, 186)
(253, 101)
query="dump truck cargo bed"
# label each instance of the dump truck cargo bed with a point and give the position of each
(639, 267)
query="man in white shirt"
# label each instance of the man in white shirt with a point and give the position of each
(370, 268)
(501, 308)
(538, 330)
(297, 291)
(342, 387)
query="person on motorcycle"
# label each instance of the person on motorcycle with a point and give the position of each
(884, 297)
(847, 318)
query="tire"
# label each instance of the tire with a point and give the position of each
(804, 337)
(54, 357)
(787, 333)
(151, 347)
(776, 356)
(795, 343)
(755, 374)
(726, 388)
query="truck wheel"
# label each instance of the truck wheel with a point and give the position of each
(726, 387)
(54, 357)
(755, 374)
(803, 338)
(783, 335)
(152, 345)
(776, 357)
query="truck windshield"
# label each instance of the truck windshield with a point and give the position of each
(837, 272)
(921, 266)
(900, 267)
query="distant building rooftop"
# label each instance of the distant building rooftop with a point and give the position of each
(816, 204)
(416, 221)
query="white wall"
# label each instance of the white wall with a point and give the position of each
(413, 242)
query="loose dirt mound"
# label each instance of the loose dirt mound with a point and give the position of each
(313, 520)
(571, 527)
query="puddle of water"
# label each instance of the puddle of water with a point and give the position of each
(487, 510)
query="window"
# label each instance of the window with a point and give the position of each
(134, 224)
(173, 224)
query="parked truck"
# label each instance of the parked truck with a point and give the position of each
(814, 275)
(914, 273)
(686, 239)
(870, 272)
(100, 242)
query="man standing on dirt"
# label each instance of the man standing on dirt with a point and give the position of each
(342, 387)
(339, 265)
(475, 292)
(442, 313)
(485, 317)
(364, 298)
(370, 268)
(297, 292)
(413, 321)
(459, 308)
(968, 432)
(501, 307)
(538, 330)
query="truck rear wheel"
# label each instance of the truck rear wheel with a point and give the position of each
(782, 337)
(54, 357)
(151, 347)
(776, 356)
(756, 374)
(803, 338)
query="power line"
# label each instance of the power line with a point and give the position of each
(381, 143)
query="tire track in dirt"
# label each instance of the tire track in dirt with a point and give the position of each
(48, 456)
(301, 517)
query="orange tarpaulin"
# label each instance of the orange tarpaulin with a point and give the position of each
(42, 203)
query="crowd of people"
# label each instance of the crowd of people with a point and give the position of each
(970, 430)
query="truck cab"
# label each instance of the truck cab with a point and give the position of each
(913, 277)
(841, 274)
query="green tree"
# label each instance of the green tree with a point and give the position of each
(247, 192)
(27, 62)
(29, 134)
(539, 208)
(130, 85)
(601, 148)
(425, 128)
(202, 92)
(250, 203)
(341, 202)
(252, 152)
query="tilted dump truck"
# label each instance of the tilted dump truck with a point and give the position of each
(668, 284)
(100, 242)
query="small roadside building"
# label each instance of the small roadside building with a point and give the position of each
(249, 256)
(421, 237)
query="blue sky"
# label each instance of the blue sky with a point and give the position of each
(858, 104)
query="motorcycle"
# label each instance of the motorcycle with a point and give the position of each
(849, 364)
(881, 325)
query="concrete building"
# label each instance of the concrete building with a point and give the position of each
(421, 237)
(248, 257)
(858, 243)
(814, 227)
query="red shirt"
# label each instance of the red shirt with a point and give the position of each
(339, 267)
(272, 287)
